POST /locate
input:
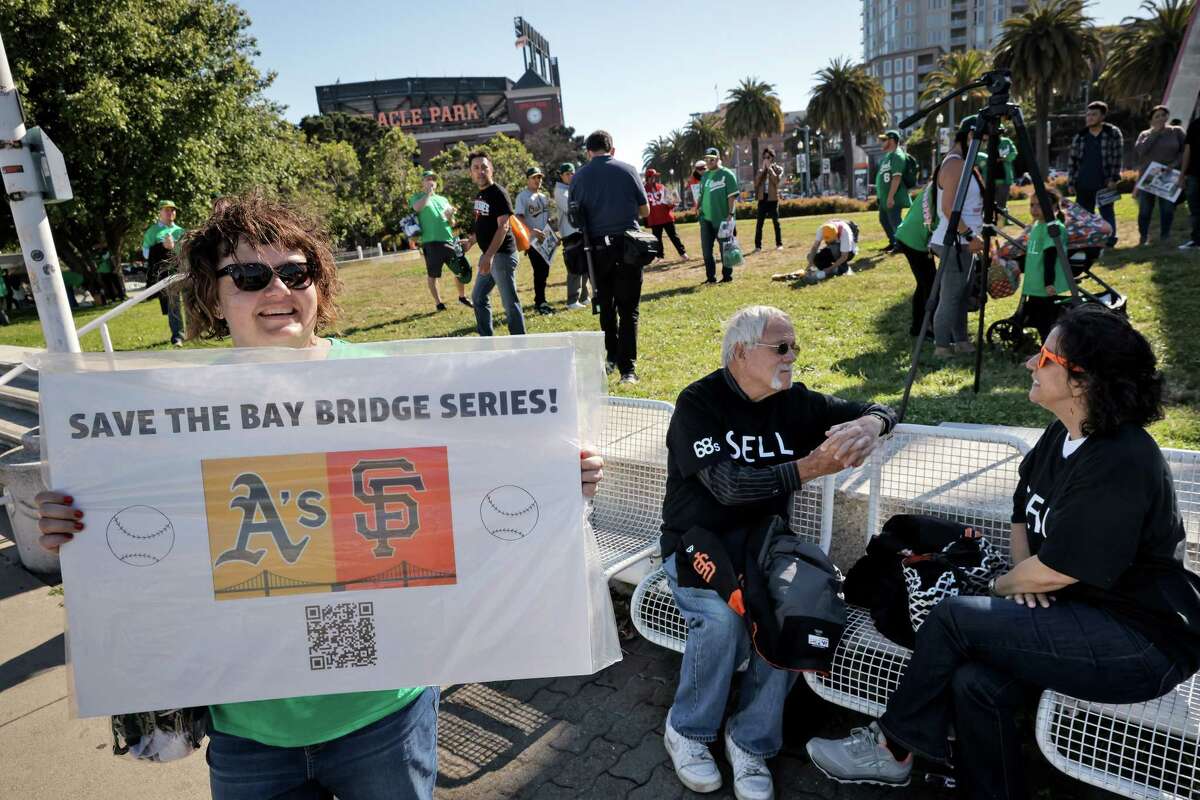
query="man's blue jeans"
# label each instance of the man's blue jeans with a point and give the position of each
(504, 277)
(890, 219)
(708, 237)
(394, 758)
(976, 659)
(1166, 215)
(717, 643)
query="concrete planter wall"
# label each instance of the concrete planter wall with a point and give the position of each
(21, 477)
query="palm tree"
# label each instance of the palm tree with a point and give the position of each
(753, 111)
(954, 71)
(1142, 51)
(703, 132)
(665, 154)
(1051, 46)
(656, 153)
(848, 100)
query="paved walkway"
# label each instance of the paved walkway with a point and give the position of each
(597, 736)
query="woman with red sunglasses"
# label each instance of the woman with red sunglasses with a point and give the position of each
(264, 275)
(1098, 605)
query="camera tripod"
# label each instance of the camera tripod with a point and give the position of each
(987, 123)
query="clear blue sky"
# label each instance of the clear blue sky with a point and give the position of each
(637, 69)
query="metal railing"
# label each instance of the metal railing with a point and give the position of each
(101, 322)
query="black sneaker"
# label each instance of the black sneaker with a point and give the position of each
(441, 306)
(709, 280)
(543, 308)
(727, 279)
(629, 377)
(465, 302)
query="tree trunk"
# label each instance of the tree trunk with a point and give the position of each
(848, 159)
(1041, 137)
(754, 155)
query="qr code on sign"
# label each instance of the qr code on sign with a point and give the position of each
(341, 635)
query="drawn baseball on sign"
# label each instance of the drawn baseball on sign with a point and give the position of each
(509, 512)
(140, 535)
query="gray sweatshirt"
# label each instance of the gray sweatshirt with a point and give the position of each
(1165, 147)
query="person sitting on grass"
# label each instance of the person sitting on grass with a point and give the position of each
(1099, 604)
(264, 275)
(835, 244)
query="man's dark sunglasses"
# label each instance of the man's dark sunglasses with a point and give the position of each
(781, 349)
(254, 276)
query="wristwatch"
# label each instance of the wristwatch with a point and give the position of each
(992, 587)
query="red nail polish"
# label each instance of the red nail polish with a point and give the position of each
(78, 515)
(78, 526)
(67, 500)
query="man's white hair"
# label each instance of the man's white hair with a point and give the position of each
(746, 328)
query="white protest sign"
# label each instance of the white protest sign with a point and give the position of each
(300, 527)
(1161, 180)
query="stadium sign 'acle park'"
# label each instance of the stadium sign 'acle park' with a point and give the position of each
(429, 115)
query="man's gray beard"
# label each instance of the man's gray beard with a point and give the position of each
(777, 380)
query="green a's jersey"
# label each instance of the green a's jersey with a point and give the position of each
(890, 166)
(1008, 154)
(716, 187)
(912, 230)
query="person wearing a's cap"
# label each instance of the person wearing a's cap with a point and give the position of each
(158, 246)
(718, 203)
(533, 208)
(950, 333)
(662, 213)
(698, 170)
(889, 186)
(578, 282)
(439, 245)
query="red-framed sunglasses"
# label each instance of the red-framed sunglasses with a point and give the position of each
(1045, 355)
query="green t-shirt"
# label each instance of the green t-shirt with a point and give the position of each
(717, 186)
(912, 231)
(434, 227)
(105, 265)
(893, 164)
(1008, 154)
(157, 232)
(1039, 242)
(305, 721)
(72, 279)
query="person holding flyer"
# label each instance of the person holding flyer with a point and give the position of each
(533, 208)
(718, 203)
(662, 215)
(263, 274)
(1159, 144)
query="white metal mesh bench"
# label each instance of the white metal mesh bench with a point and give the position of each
(959, 474)
(627, 510)
(1143, 750)
(653, 606)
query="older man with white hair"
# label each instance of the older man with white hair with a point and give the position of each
(742, 439)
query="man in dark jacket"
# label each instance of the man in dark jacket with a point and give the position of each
(1095, 163)
(741, 441)
(610, 198)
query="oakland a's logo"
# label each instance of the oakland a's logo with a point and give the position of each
(397, 514)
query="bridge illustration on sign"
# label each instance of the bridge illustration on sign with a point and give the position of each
(404, 573)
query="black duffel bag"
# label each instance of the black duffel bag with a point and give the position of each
(640, 248)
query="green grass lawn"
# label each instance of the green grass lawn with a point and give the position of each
(853, 330)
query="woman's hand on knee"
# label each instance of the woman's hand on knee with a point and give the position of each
(1033, 599)
(58, 519)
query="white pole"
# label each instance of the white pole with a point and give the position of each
(23, 188)
(360, 253)
(379, 247)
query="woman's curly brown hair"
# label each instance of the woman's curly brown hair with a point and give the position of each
(257, 220)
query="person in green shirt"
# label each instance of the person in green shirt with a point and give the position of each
(1004, 180)
(717, 202)
(1045, 280)
(375, 745)
(112, 284)
(158, 247)
(912, 240)
(889, 186)
(439, 245)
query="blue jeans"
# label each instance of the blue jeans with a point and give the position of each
(890, 219)
(1166, 215)
(1087, 199)
(708, 237)
(503, 276)
(717, 643)
(394, 758)
(976, 660)
(950, 318)
(1193, 199)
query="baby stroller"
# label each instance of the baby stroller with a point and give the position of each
(1087, 234)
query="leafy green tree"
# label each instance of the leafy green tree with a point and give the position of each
(954, 71)
(1141, 52)
(391, 176)
(1050, 46)
(146, 100)
(510, 158)
(847, 99)
(331, 187)
(554, 146)
(704, 131)
(753, 111)
(360, 131)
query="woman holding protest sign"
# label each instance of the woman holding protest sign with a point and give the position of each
(264, 274)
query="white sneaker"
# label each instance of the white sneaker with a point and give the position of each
(751, 778)
(693, 762)
(1189, 245)
(778, 247)
(575, 306)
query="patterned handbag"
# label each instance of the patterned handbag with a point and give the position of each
(963, 567)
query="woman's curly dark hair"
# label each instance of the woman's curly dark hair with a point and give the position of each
(1120, 372)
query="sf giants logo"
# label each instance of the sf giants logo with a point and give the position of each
(397, 514)
(704, 566)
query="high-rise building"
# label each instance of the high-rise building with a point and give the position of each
(902, 40)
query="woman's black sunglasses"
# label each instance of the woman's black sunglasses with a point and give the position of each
(254, 276)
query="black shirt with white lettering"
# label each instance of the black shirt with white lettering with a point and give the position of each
(1107, 516)
(715, 422)
(491, 204)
